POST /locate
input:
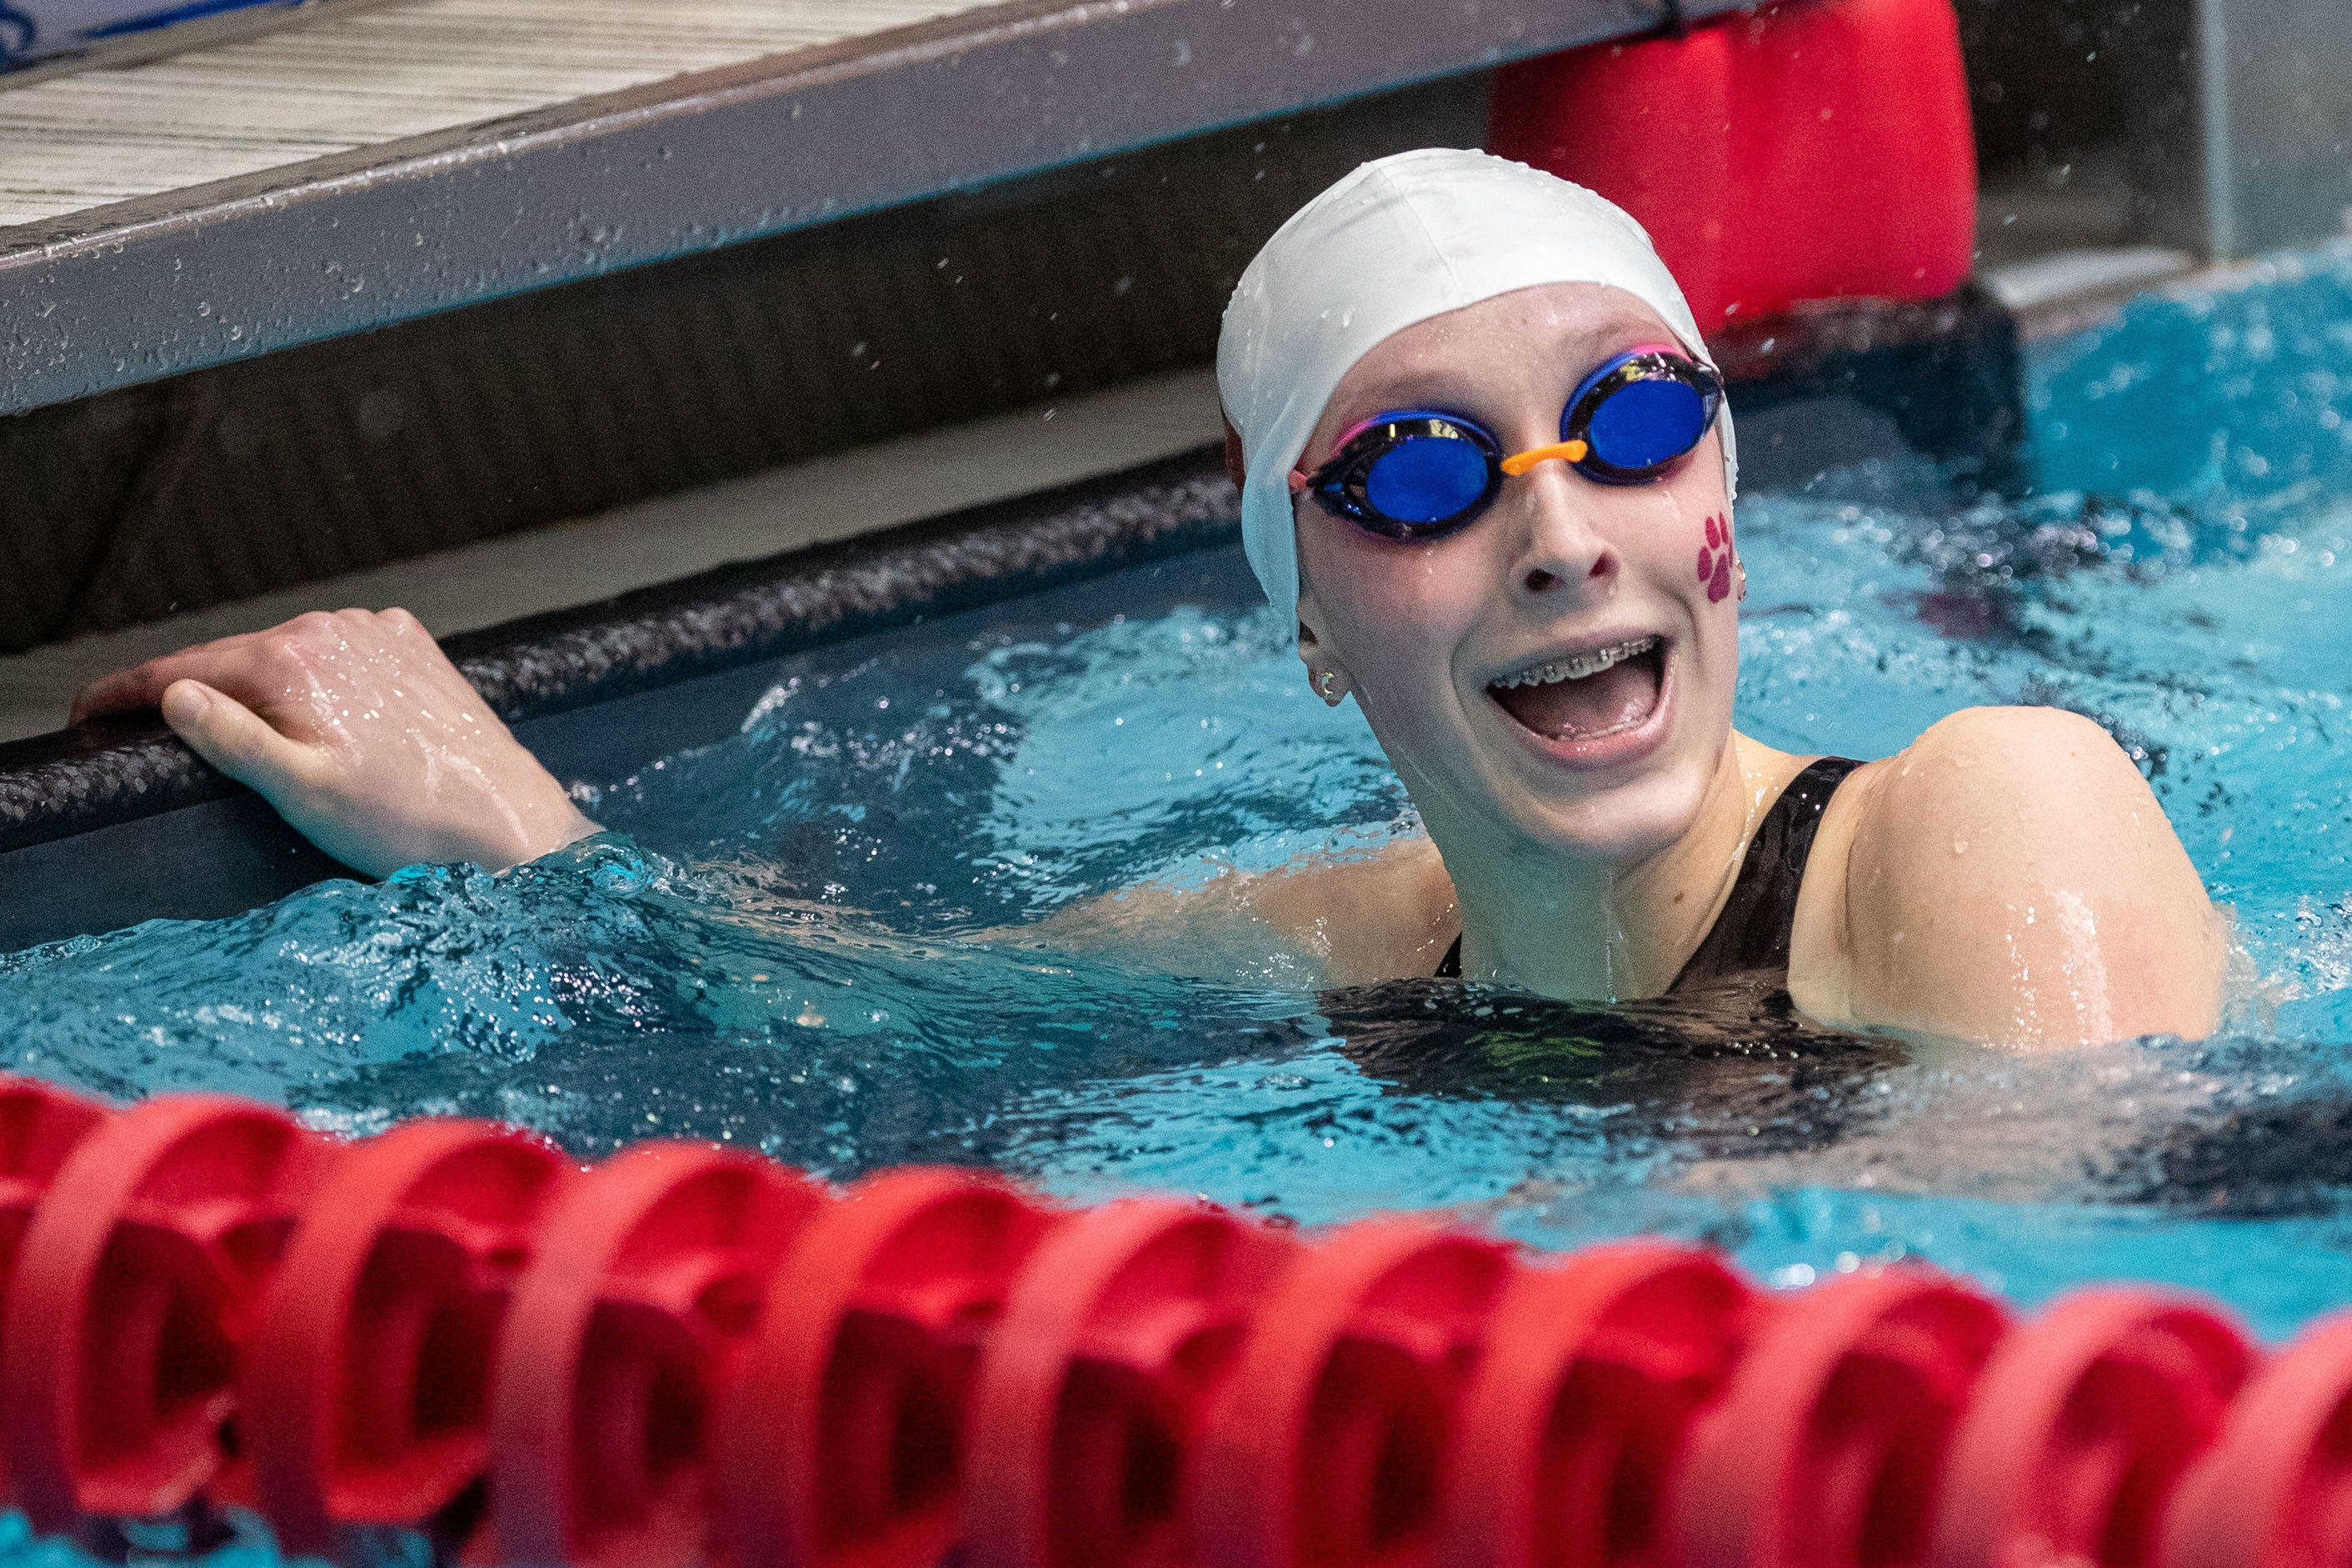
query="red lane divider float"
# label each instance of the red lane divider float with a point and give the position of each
(1593, 1375)
(2277, 1490)
(1828, 1450)
(691, 1354)
(134, 1296)
(843, 1442)
(2083, 1426)
(365, 1392)
(1332, 1443)
(1116, 1342)
(648, 1286)
(40, 1127)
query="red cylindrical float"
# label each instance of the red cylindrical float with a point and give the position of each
(1119, 1333)
(1805, 150)
(2081, 1428)
(2275, 1491)
(1332, 1443)
(621, 1338)
(1594, 1374)
(1828, 1450)
(690, 1355)
(842, 1445)
(39, 1127)
(135, 1292)
(366, 1389)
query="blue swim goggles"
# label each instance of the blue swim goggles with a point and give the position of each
(1422, 474)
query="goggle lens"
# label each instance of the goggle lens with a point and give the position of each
(1646, 424)
(1428, 478)
(1422, 474)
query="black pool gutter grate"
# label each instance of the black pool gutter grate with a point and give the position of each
(177, 838)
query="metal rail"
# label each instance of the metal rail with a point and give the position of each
(150, 286)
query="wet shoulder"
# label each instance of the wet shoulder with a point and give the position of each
(2007, 782)
(1384, 915)
(1955, 881)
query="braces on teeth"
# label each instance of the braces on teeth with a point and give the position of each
(1580, 666)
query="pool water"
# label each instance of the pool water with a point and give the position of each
(778, 945)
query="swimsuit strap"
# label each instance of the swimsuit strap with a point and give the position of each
(1752, 932)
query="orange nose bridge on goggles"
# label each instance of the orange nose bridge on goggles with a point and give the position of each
(1566, 451)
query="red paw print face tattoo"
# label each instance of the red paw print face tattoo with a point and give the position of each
(1714, 560)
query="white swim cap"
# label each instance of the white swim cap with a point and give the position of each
(1396, 242)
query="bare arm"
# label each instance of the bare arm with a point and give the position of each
(1345, 921)
(2010, 879)
(362, 734)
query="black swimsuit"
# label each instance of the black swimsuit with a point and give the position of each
(1750, 937)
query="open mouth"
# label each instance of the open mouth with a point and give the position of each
(1589, 695)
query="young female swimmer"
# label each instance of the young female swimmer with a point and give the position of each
(1483, 454)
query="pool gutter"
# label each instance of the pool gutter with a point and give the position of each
(116, 821)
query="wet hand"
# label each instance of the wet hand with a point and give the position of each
(362, 734)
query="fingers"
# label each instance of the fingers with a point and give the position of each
(124, 692)
(128, 690)
(363, 735)
(228, 664)
(237, 740)
(252, 666)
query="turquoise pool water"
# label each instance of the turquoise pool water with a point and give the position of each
(780, 952)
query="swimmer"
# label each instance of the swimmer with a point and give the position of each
(1485, 463)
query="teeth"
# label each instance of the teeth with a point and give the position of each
(1580, 666)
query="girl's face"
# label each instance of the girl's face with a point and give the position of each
(1466, 652)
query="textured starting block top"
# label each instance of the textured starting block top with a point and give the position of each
(369, 75)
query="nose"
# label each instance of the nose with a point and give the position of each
(1558, 550)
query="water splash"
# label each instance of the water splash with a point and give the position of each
(789, 950)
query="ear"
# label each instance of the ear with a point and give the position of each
(1236, 461)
